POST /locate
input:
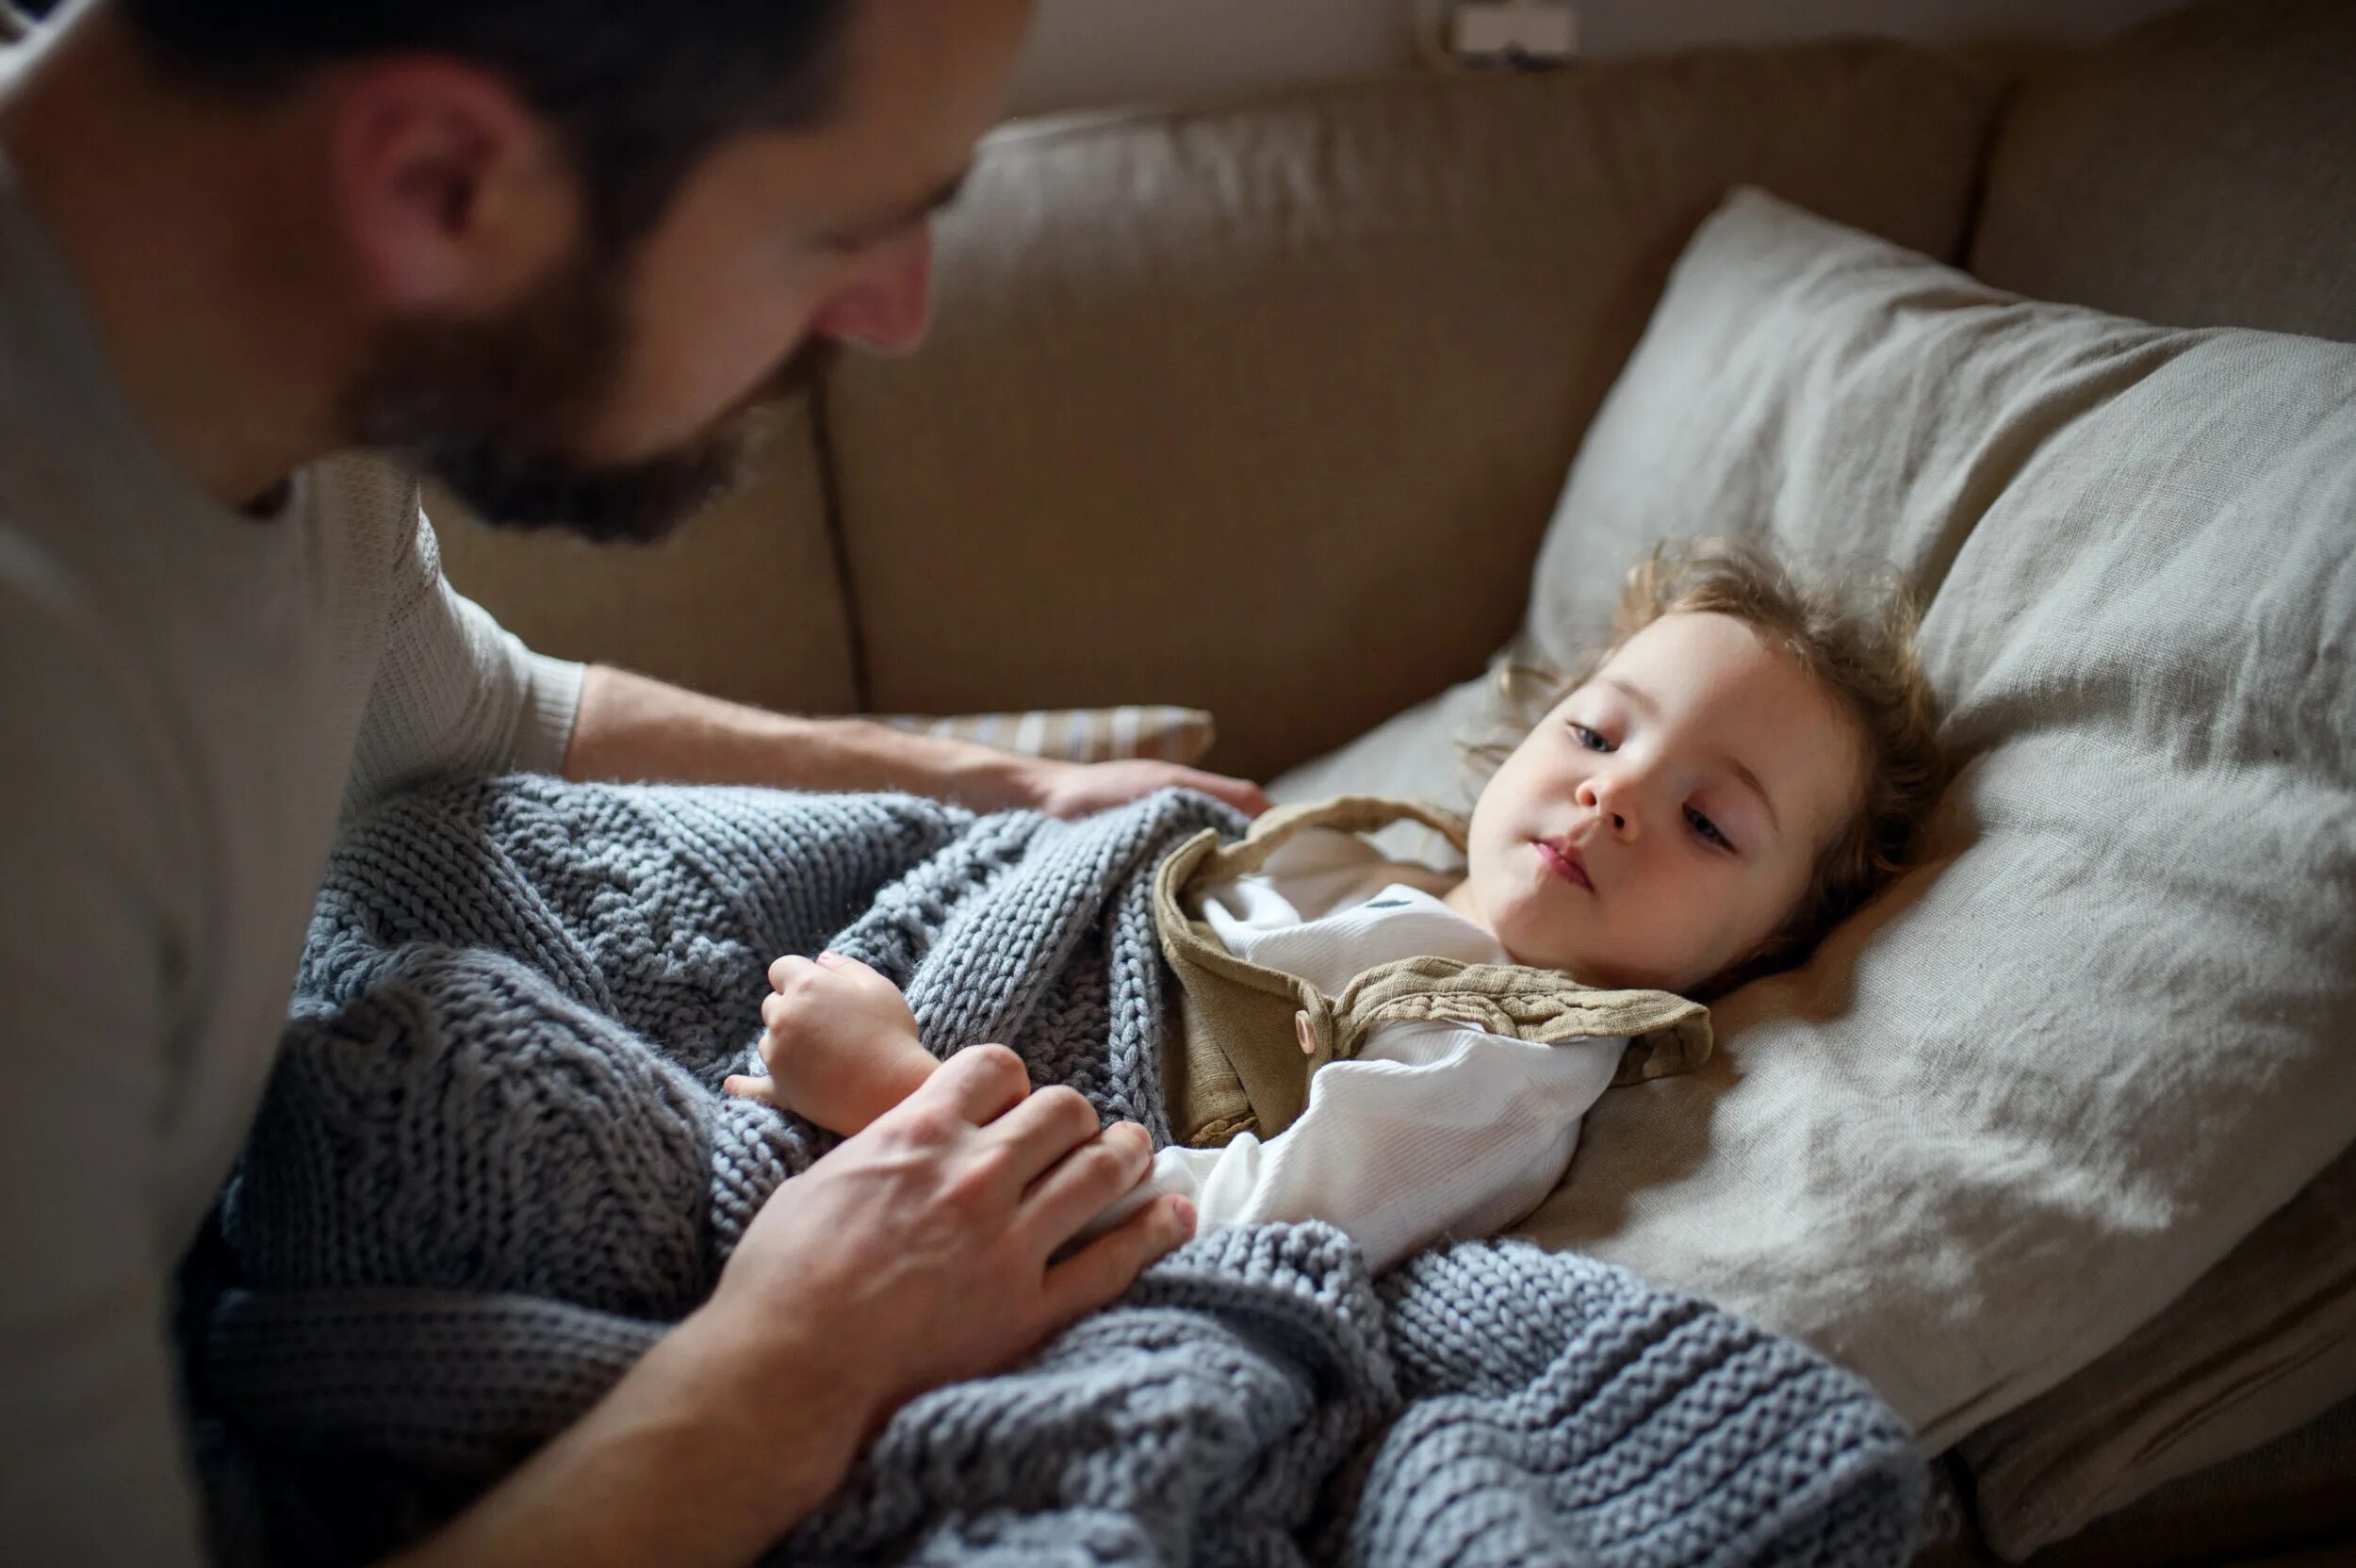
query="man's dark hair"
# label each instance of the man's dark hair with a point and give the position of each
(639, 91)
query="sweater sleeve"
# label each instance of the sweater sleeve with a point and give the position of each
(1435, 1131)
(455, 694)
(92, 1465)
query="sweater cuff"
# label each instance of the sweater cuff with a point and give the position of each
(552, 702)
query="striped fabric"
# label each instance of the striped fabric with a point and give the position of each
(1076, 734)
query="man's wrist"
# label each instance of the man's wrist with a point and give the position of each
(719, 1442)
(629, 726)
(964, 772)
(748, 1381)
(766, 1362)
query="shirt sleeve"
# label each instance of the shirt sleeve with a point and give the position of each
(455, 692)
(93, 1466)
(1436, 1129)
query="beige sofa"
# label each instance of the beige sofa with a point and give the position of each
(1266, 408)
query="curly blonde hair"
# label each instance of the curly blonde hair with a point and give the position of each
(1855, 637)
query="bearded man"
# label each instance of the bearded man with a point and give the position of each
(545, 250)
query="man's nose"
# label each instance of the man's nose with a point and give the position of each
(887, 304)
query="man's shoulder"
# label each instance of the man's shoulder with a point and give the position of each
(366, 485)
(369, 502)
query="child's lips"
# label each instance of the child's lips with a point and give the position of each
(1564, 861)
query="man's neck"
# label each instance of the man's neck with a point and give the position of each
(197, 259)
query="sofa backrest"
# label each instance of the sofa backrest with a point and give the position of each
(2199, 171)
(745, 602)
(1262, 409)
(1259, 409)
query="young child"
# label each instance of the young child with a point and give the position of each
(1745, 763)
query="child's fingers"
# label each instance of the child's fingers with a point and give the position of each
(852, 969)
(783, 971)
(740, 1085)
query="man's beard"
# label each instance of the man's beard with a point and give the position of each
(494, 410)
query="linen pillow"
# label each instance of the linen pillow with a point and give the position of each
(1077, 734)
(2019, 1105)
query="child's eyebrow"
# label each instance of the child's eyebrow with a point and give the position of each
(1749, 780)
(1742, 775)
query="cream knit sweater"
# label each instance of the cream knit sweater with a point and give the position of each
(190, 698)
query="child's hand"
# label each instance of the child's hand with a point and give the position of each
(840, 1043)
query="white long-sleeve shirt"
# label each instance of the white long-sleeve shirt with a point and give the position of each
(1434, 1130)
(188, 698)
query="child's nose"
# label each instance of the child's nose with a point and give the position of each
(1610, 797)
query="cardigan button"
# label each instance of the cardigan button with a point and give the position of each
(1306, 1027)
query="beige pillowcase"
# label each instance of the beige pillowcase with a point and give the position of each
(1077, 734)
(2025, 1101)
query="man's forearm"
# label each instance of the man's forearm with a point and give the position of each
(679, 1464)
(633, 728)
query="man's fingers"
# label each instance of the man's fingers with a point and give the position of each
(1050, 1127)
(1086, 1183)
(980, 1084)
(1241, 793)
(1103, 1268)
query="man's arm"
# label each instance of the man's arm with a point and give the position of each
(457, 694)
(911, 1255)
(629, 726)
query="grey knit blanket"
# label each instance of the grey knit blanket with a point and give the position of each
(493, 1166)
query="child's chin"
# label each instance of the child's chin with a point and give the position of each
(1536, 943)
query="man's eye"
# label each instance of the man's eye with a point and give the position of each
(1589, 739)
(1706, 829)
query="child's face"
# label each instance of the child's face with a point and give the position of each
(1663, 819)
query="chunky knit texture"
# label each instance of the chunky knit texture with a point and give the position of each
(494, 1165)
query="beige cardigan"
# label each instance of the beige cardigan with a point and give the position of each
(1248, 1038)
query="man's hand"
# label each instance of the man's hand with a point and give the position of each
(913, 1255)
(840, 1043)
(916, 1253)
(1076, 789)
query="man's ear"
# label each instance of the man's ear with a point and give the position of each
(452, 194)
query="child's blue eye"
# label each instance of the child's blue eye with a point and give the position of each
(1589, 739)
(1708, 829)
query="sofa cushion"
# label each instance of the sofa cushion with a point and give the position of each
(2266, 1508)
(2025, 1100)
(1204, 386)
(2201, 170)
(2261, 1344)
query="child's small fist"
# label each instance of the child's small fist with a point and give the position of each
(839, 1041)
(830, 992)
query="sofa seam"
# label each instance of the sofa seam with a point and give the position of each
(839, 548)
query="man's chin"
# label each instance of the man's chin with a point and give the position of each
(634, 503)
